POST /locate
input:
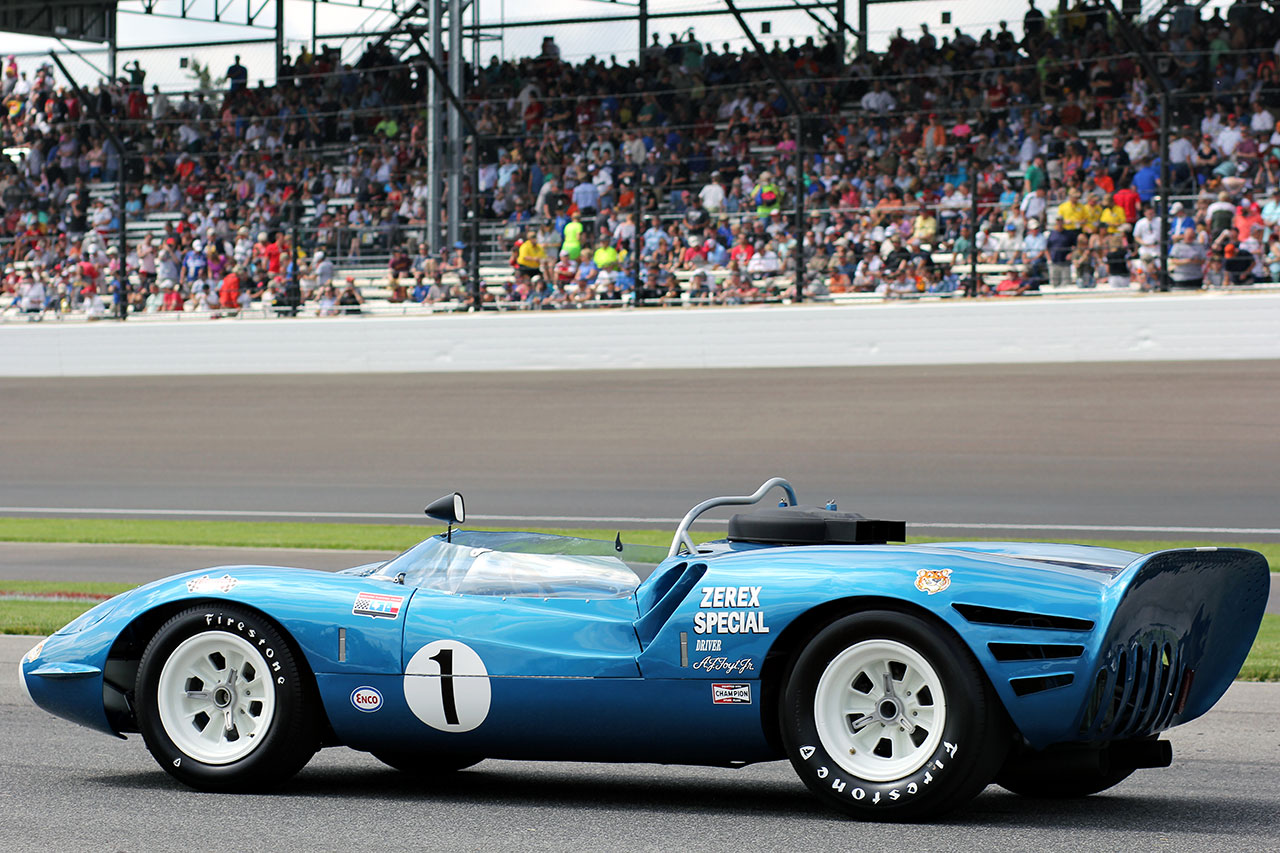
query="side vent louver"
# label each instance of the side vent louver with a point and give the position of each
(1004, 652)
(1039, 683)
(1021, 619)
(1137, 693)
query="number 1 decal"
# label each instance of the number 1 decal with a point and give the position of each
(446, 685)
(444, 657)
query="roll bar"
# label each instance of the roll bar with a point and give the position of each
(682, 539)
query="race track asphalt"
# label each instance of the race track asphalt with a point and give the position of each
(68, 789)
(1122, 444)
(1155, 444)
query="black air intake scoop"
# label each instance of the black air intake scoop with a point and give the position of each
(811, 525)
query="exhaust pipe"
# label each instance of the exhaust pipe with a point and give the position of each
(1142, 754)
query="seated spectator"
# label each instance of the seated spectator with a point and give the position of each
(1013, 283)
(344, 153)
(328, 303)
(699, 288)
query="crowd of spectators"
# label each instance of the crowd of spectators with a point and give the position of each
(672, 177)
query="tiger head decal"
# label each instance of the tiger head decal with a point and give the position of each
(933, 580)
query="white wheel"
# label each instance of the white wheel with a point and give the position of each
(886, 715)
(880, 709)
(223, 703)
(216, 697)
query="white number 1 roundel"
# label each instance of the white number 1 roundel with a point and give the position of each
(447, 686)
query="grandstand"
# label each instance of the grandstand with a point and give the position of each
(1015, 162)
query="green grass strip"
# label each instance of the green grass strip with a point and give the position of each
(397, 537)
(267, 534)
(1263, 663)
(76, 587)
(1270, 550)
(40, 618)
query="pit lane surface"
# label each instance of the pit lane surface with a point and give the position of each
(1162, 444)
(68, 789)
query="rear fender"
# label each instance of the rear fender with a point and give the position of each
(1181, 624)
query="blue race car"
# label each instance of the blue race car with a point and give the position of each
(899, 680)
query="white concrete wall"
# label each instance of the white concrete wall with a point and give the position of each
(1157, 327)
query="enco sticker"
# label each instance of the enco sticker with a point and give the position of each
(366, 699)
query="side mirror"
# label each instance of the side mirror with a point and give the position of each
(448, 509)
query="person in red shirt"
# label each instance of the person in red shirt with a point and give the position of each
(259, 251)
(229, 293)
(1130, 201)
(89, 271)
(1103, 181)
(566, 269)
(137, 105)
(533, 114)
(271, 251)
(693, 255)
(1247, 217)
(741, 252)
(173, 300)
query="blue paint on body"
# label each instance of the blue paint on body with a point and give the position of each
(631, 678)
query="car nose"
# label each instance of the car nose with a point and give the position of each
(22, 682)
(31, 655)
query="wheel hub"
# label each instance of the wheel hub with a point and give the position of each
(216, 697)
(880, 710)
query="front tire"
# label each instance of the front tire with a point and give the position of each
(886, 717)
(222, 701)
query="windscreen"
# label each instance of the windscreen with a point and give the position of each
(526, 565)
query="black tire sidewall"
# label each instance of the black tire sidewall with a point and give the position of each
(284, 747)
(946, 777)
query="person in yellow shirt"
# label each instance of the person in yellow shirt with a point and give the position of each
(1074, 215)
(530, 256)
(606, 257)
(925, 226)
(573, 236)
(1093, 211)
(1111, 216)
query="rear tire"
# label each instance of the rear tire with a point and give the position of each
(222, 701)
(887, 717)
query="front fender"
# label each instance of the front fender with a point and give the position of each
(340, 623)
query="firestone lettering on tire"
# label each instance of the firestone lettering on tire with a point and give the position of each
(952, 761)
(216, 619)
(289, 734)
